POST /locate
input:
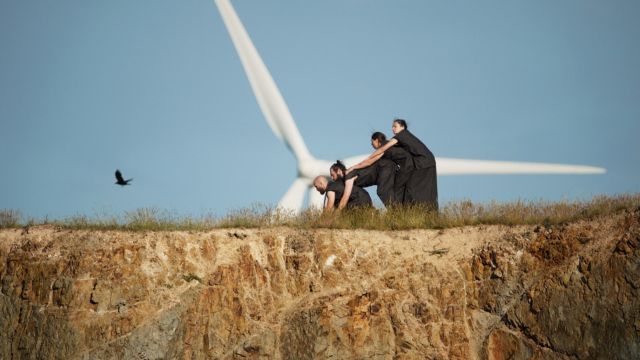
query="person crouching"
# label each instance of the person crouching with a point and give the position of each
(334, 190)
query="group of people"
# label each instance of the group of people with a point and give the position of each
(403, 169)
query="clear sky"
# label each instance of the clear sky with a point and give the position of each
(156, 89)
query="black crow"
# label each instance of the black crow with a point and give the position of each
(121, 181)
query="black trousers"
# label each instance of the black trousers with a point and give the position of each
(400, 185)
(422, 187)
(382, 174)
(362, 201)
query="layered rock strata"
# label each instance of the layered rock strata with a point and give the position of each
(490, 292)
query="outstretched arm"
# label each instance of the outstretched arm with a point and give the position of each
(365, 163)
(331, 199)
(375, 156)
(348, 187)
(384, 148)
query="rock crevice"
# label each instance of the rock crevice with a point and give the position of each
(491, 292)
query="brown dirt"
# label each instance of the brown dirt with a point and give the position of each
(489, 292)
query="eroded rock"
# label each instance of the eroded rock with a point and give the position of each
(563, 292)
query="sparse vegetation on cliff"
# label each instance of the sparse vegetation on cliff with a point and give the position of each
(558, 292)
(9, 218)
(455, 214)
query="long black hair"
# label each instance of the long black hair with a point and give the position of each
(338, 165)
(401, 122)
(382, 138)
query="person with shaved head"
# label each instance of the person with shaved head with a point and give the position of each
(334, 190)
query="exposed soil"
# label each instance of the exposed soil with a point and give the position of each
(489, 292)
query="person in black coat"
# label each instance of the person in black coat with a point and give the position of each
(390, 171)
(334, 191)
(381, 174)
(422, 185)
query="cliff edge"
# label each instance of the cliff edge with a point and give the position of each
(489, 292)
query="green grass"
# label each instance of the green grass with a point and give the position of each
(455, 214)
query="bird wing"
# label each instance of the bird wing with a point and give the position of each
(119, 176)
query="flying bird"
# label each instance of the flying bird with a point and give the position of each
(120, 180)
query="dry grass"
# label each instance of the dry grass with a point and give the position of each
(455, 214)
(10, 218)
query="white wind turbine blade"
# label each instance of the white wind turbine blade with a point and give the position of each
(449, 166)
(314, 167)
(294, 197)
(316, 200)
(271, 103)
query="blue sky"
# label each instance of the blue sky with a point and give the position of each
(155, 88)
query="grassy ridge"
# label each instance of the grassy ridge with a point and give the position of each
(453, 214)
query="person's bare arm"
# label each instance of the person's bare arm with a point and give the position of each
(365, 163)
(348, 187)
(383, 148)
(331, 199)
(375, 156)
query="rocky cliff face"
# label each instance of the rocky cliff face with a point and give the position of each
(493, 292)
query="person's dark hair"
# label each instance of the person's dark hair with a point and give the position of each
(401, 122)
(380, 137)
(338, 165)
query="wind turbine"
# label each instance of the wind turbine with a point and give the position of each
(281, 122)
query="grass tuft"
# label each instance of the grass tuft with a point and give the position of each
(454, 214)
(10, 218)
